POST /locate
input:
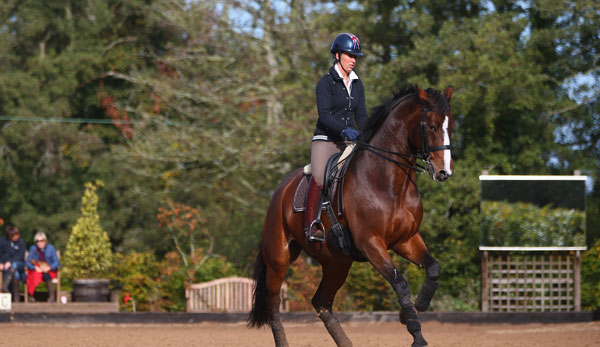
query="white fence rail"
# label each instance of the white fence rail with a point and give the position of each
(231, 294)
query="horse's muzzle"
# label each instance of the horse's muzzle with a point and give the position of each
(442, 175)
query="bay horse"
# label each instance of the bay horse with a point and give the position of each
(383, 211)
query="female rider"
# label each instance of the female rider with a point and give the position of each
(340, 101)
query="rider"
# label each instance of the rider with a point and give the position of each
(340, 96)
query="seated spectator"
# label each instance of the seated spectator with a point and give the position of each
(12, 255)
(42, 264)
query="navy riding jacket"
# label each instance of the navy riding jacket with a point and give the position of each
(11, 251)
(336, 109)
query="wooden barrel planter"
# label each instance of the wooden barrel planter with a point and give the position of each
(91, 290)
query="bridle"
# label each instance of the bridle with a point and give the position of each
(425, 148)
(425, 154)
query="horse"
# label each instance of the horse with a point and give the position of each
(383, 211)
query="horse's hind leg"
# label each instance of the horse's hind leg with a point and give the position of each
(274, 288)
(377, 254)
(416, 251)
(278, 260)
(334, 276)
(270, 267)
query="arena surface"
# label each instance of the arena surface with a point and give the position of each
(299, 334)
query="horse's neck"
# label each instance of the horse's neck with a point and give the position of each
(394, 132)
(394, 136)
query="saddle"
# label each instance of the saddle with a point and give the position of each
(336, 166)
(339, 236)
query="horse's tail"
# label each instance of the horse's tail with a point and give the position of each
(259, 315)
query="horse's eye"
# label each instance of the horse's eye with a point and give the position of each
(432, 127)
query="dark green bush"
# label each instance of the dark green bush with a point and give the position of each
(590, 278)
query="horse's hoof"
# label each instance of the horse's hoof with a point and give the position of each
(419, 342)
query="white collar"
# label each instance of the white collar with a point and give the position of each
(353, 75)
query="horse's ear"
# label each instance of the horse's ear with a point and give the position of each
(422, 94)
(448, 93)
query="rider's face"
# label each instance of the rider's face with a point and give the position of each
(348, 61)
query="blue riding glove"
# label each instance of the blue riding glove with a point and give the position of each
(350, 133)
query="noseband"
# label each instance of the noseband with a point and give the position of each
(425, 154)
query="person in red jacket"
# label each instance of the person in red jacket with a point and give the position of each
(42, 265)
(340, 102)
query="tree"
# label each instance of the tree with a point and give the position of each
(88, 253)
(42, 169)
(55, 90)
(186, 227)
(217, 140)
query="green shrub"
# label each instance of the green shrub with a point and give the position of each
(525, 224)
(137, 274)
(88, 253)
(590, 278)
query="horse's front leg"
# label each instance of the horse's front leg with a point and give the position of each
(334, 276)
(432, 273)
(376, 252)
(416, 251)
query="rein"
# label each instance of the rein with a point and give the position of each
(425, 154)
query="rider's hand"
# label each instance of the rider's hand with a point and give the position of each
(350, 133)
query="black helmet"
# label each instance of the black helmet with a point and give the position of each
(347, 43)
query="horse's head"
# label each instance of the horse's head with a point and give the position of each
(420, 122)
(435, 131)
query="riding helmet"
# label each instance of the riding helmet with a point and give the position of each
(347, 43)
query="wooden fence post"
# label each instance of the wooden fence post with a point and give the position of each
(577, 279)
(484, 282)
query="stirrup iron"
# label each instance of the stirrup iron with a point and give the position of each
(309, 235)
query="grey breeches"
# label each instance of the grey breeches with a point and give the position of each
(319, 154)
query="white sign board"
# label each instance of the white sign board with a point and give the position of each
(5, 302)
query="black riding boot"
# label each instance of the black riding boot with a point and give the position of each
(51, 295)
(311, 226)
(16, 292)
(10, 274)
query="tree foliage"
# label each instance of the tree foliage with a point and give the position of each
(590, 274)
(210, 103)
